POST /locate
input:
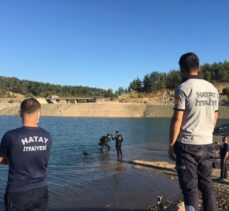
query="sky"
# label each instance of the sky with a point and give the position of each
(107, 43)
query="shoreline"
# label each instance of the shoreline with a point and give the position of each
(103, 110)
(168, 168)
(139, 169)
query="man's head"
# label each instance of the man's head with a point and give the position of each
(224, 140)
(30, 110)
(189, 65)
(117, 132)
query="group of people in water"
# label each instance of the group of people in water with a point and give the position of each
(104, 143)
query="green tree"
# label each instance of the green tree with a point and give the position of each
(158, 80)
(225, 91)
(109, 93)
(147, 84)
(172, 79)
(136, 85)
(120, 91)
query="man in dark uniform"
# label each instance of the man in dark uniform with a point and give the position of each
(224, 152)
(103, 142)
(27, 151)
(118, 142)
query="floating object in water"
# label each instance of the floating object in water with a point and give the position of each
(85, 153)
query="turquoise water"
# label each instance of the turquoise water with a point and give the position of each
(74, 180)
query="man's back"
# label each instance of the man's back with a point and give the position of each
(199, 99)
(27, 149)
(191, 129)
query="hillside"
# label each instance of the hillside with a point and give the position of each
(216, 73)
(166, 96)
(14, 87)
(154, 88)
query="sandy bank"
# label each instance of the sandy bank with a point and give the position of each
(113, 109)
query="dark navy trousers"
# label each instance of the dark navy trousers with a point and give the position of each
(194, 168)
(223, 166)
(30, 200)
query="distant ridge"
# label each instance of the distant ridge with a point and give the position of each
(11, 85)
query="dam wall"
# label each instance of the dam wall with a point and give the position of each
(114, 109)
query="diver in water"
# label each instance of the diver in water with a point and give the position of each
(103, 142)
(118, 142)
(85, 153)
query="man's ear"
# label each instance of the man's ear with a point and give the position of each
(38, 116)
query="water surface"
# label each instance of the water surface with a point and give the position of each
(98, 180)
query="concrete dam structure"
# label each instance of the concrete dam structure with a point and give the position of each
(108, 109)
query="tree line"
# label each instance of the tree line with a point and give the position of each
(33, 88)
(217, 72)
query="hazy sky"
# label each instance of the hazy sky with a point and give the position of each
(107, 43)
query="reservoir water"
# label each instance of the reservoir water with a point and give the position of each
(98, 181)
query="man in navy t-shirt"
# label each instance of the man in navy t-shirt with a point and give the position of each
(27, 150)
(224, 152)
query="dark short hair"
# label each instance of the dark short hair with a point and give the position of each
(30, 105)
(189, 61)
(224, 138)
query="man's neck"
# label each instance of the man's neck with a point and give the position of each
(190, 77)
(30, 124)
(194, 75)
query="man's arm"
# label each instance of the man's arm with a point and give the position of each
(175, 127)
(4, 160)
(215, 118)
(226, 156)
(4, 149)
(227, 153)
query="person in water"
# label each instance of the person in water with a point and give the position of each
(118, 142)
(85, 153)
(103, 142)
(27, 151)
(224, 152)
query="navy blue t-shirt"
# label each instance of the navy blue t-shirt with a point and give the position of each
(223, 150)
(27, 149)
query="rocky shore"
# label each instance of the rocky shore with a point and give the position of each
(168, 169)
